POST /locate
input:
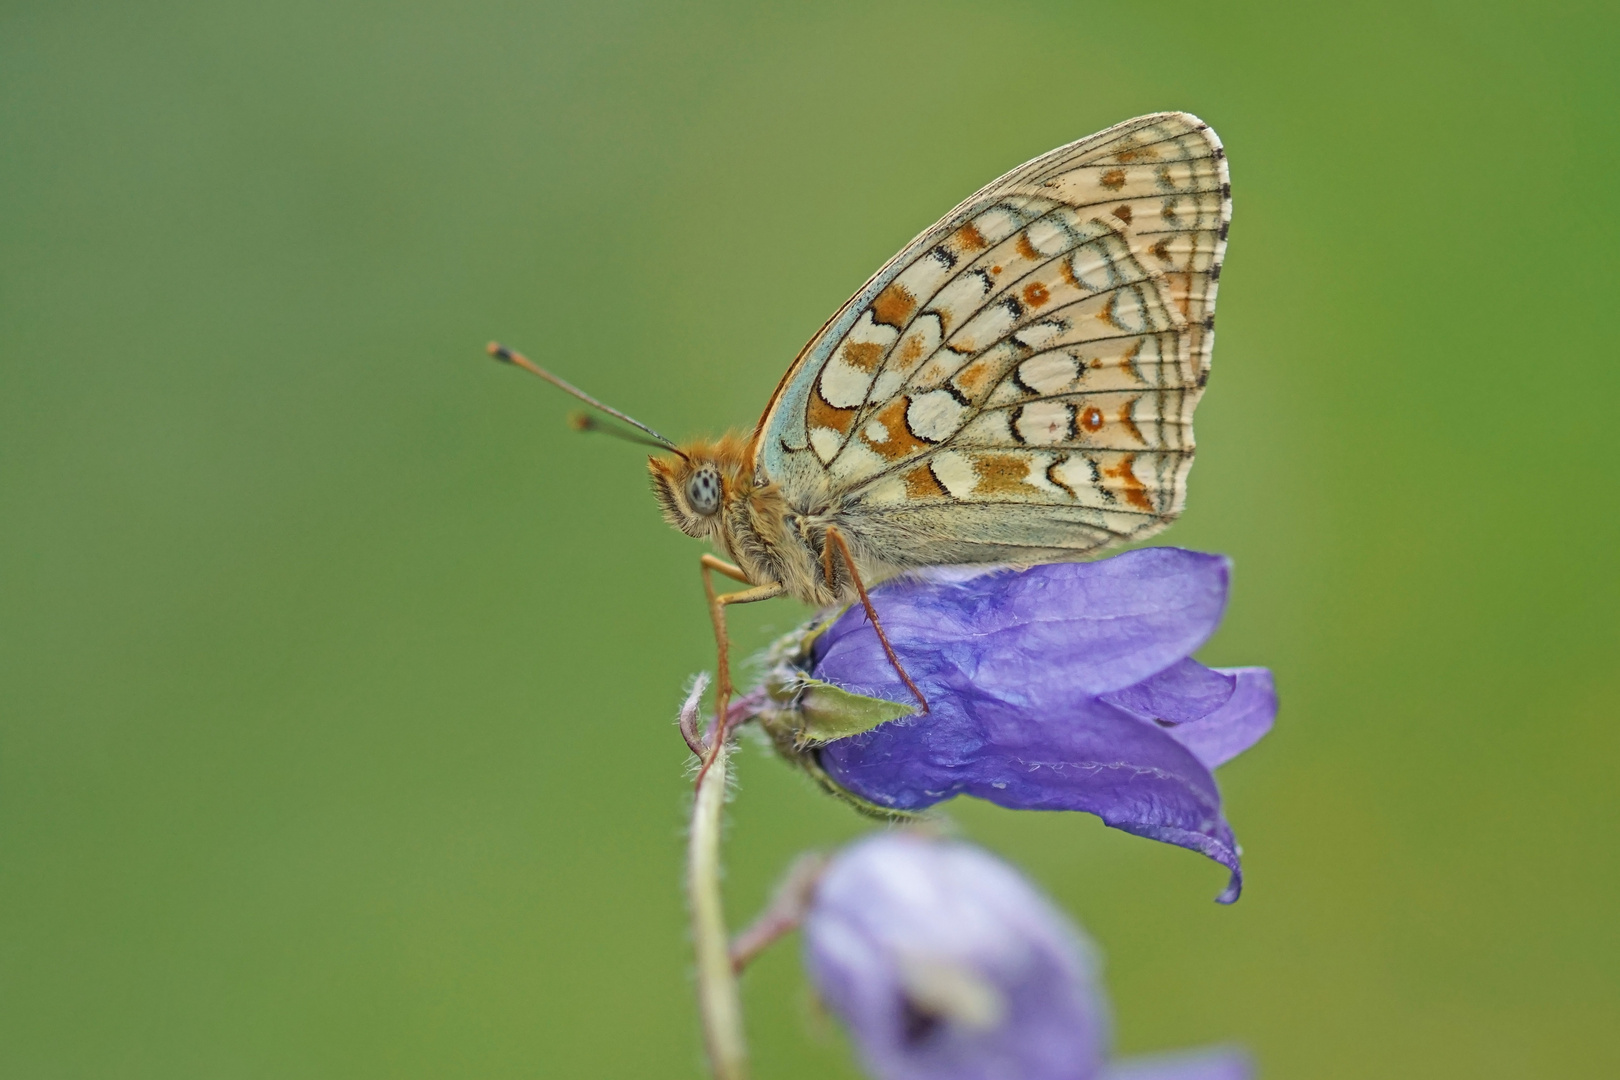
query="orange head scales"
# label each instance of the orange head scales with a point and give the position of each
(695, 486)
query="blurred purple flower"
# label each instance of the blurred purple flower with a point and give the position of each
(1060, 687)
(945, 964)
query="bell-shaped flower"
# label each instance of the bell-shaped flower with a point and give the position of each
(945, 964)
(1059, 687)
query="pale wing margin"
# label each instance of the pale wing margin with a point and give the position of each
(1018, 383)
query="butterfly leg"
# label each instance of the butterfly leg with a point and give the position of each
(717, 614)
(835, 539)
(719, 565)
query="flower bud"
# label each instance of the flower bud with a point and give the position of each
(945, 964)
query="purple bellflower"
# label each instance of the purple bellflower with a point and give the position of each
(1060, 687)
(945, 964)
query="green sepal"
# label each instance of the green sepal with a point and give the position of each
(811, 764)
(803, 714)
(827, 712)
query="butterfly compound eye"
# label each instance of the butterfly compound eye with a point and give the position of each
(703, 491)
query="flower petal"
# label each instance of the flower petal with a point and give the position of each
(1183, 692)
(945, 964)
(1091, 757)
(1059, 687)
(1219, 1064)
(1234, 727)
(1044, 636)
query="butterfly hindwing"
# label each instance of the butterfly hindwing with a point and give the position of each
(1019, 382)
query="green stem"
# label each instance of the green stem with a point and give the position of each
(718, 1003)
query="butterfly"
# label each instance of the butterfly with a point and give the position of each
(1017, 385)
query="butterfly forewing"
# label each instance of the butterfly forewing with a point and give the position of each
(1018, 383)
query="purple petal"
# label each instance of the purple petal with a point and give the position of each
(945, 964)
(1195, 1065)
(1182, 692)
(1091, 757)
(1012, 663)
(1234, 727)
(1044, 636)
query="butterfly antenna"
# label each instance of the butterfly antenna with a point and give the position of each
(517, 359)
(584, 421)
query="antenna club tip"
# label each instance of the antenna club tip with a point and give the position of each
(499, 351)
(580, 421)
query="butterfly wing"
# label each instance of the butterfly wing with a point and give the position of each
(1018, 383)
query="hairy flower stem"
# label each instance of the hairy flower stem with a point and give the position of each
(718, 1003)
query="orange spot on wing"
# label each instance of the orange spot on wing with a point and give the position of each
(1036, 294)
(1002, 474)
(910, 350)
(1134, 490)
(1092, 419)
(1056, 480)
(968, 238)
(1181, 292)
(1127, 361)
(894, 306)
(865, 355)
(922, 484)
(821, 414)
(1123, 212)
(977, 377)
(1130, 424)
(1026, 249)
(897, 441)
(1113, 179)
(1106, 315)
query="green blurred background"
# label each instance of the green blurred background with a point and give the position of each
(337, 676)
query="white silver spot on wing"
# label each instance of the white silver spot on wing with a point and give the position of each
(959, 299)
(1047, 237)
(1040, 334)
(955, 473)
(934, 416)
(1000, 222)
(845, 379)
(987, 429)
(842, 385)
(887, 384)
(889, 491)
(1129, 311)
(1074, 472)
(857, 462)
(825, 442)
(1044, 423)
(987, 326)
(1093, 267)
(1050, 373)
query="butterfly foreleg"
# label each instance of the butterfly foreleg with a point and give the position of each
(835, 539)
(719, 565)
(717, 615)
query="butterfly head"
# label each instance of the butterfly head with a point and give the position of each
(693, 488)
